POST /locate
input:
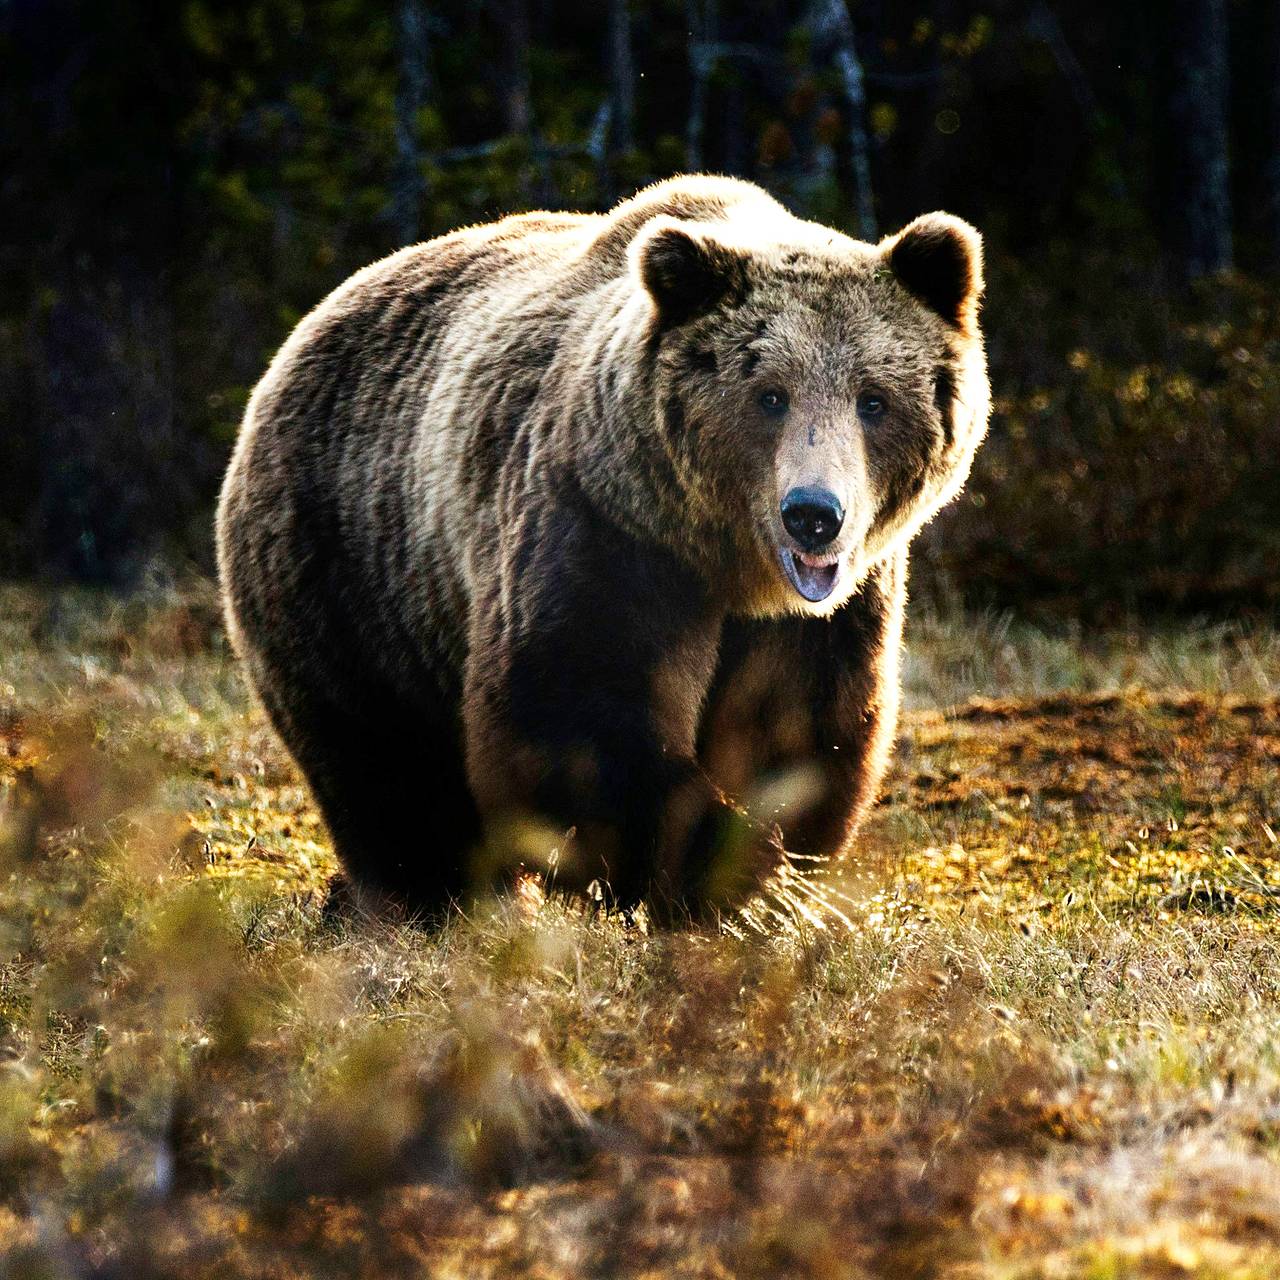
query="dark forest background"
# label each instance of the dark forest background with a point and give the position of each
(180, 182)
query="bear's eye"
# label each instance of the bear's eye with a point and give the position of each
(871, 404)
(773, 401)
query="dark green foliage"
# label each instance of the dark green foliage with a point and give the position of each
(181, 183)
(1134, 456)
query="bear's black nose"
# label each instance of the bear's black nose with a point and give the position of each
(812, 517)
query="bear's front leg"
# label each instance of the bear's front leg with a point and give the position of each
(590, 655)
(802, 712)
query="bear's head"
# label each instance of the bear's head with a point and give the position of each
(819, 398)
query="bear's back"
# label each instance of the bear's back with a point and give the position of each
(406, 302)
(552, 253)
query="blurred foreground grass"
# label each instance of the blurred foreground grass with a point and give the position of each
(1048, 1047)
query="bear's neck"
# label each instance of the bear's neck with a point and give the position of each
(632, 477)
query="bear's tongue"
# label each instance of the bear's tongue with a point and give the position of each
(813, 581)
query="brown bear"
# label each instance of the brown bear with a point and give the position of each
(571, 535)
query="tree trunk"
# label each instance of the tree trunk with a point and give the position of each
(1272, 173)
(701, 17)
(518, 98)
(737, 31)
(1200, 124)
(850, 67)
(407, 184)
(622, 73)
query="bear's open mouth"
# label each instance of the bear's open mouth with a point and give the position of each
(812, 578)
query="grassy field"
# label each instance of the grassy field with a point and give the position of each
(1043, 1041)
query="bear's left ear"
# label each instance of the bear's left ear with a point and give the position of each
(939, 259)
(683, 269)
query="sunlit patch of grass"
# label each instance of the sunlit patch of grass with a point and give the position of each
(953, 656)
(1046, 1046)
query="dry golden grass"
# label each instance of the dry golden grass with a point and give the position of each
(1049, 1045)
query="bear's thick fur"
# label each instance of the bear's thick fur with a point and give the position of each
(502, 549)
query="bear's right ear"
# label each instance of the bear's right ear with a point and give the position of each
(683, 270)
